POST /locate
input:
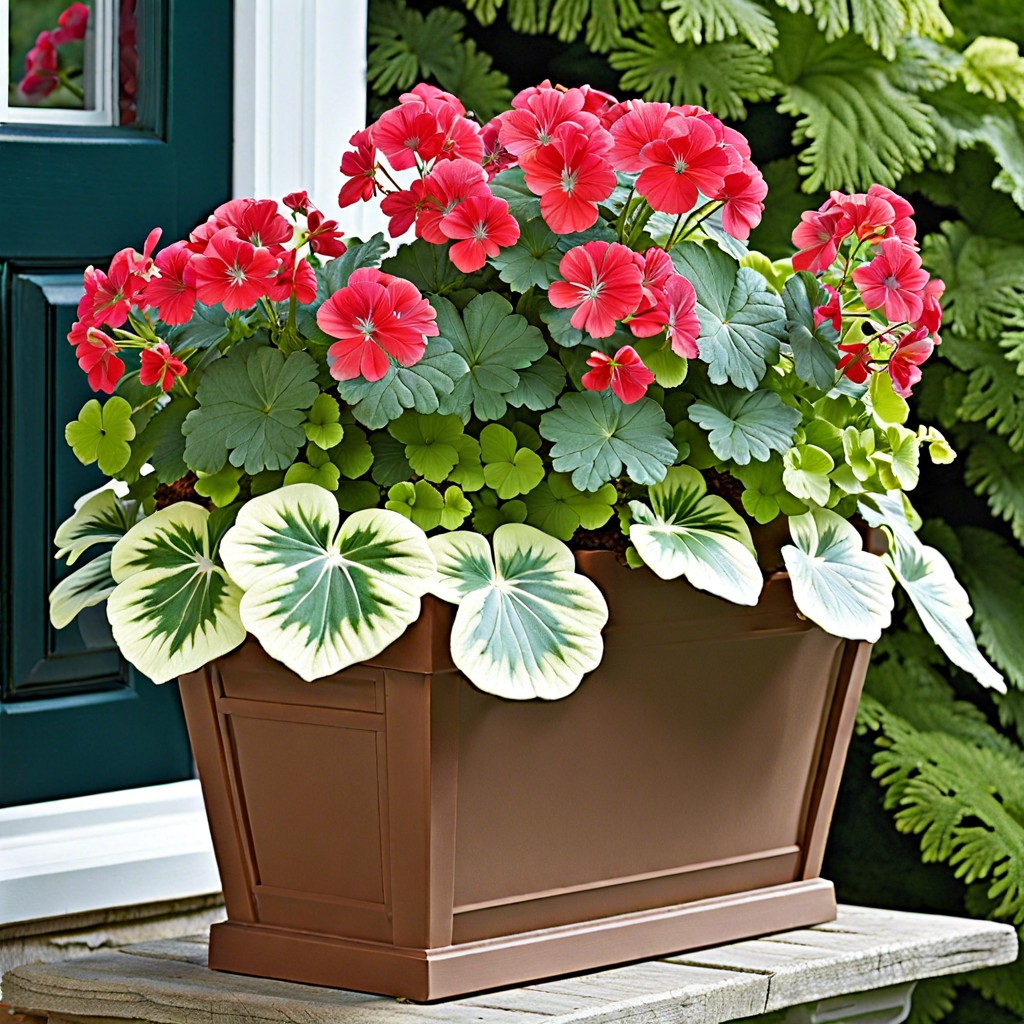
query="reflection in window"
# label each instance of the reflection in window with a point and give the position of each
(49, 47)
(127, 63)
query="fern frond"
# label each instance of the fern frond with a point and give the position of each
(469, 75)
(712, 21)
(933, 1001)
(604, 19)
(995, 68)
(720, 76)
(862, 126)
(529, 16)
(996, 472)
(405, 46)
(484, 10)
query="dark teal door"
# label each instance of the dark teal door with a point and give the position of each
(145, 96)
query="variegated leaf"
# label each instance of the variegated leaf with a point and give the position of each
(100, 517)
(83, 588)
(318, 597)
(174, 608)
(688, 532)
(836, 583)
(528, 624)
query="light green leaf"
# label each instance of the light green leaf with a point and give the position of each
(887, 406)
(326, 475)
(252, 404)
(100, 517)
(488, 516)
(688, 532)
(528, 625)
(596, 435)
(85, 587)
(221, 487)
(101, 434)
(354, 455)
(495, 343)
(764, 494)
(898, 468)
(423, 387)
(468, 472)
(320, 594)
(533, 260)
(420, 501)
(455, 510)
(430, 443)
(742, 318)
(805, 473)
(745, 426)
(558, 508)
(995, 68)
(174, 608)
(323, 426)
(669, 369)
(508, 469)
(858, 446)
(815, 348)
(836, 583)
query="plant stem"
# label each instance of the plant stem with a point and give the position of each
(76, 91)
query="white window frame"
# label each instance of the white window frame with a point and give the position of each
(100, 76)
(300, 87)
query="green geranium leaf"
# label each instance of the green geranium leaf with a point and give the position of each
(687, 532)
(426, 265)
(805, 473)
(495, 343)
(899, 468)
(508, 469)
(468, 472)
(221, 487)
(323, 422)
(927, 577)
(858, 447)
(100, 517)
(558, 508)
(421, 502)
(595, 435)
(815, 351)
(335, 274)
(887, 406)
(743, 426)
(390, 466)
(354, 455)
(510, 185)
(161, 443)
(669, 369)
(764, 494)
(321, 594)
(488, 515)
(539, 385)
(355, 495)
(174, 608)
(528, 625)
(836, 583)
(742, 319)
(85, 587)
(252, 405)
(326, 475)
(429, 443)
(532, 261)
(208, 328)
(423, 387)
(456, 509)
(101, 434)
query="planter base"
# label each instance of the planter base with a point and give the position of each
(432, 974)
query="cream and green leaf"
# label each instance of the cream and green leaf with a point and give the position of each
(687, 532)
(836, 583)
(174, 607)
(322, 594)
(528, 625)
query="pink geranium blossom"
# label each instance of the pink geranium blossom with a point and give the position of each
(893, 280)
(855, 362)
(641, 124)
(295, 277)
(72, 23)
(679, 167)
(817, 237)
(903, 225)
(406, 132)
(449, 183)
(864, 214)
(97, 356)
(255, 221)
(624, 373)
(158, 366)
(905, 362)
(233, 272)
(601, 282)
(931, 315)
(831, 310)
(402, 208)
(743, 192)
(360, 167)
(480, 227)
(538, 114)
(172, 292)
(676, 313)
(40, 77)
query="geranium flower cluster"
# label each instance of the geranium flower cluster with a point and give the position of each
(239, 256)
(864, 247)
(42, 75)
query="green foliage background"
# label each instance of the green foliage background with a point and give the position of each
(924, 96)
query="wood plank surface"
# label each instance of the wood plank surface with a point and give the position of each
(168, 983)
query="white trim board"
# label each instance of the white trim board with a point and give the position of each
(109, 850)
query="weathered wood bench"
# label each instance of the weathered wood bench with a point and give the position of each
(864, 963)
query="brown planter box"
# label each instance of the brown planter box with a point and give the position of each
(392, 829)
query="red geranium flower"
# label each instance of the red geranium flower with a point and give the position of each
(461, 139)
(406, 132)
(433, 99)
(360, 167)
(496, 157)
(158, 366)
(295, 277)
(298, 201)
(40, 78)
(832, 310)
(481, 226)
(674, 312)
(402, 208)
(97, 356)
(449, 183)
(817, 239)
(903, 225)
(538, 114)
(571, 179)
(905, 362)
(743, 192)
(855, 362)
(109, 296)
(233, 272)
(72, 21)
(641, 124)
(603, 283)
(865, 214)
(656, 267)
(255, 221)
(931, 315)
(412, 310)
(173, 292)
(324, 235)
(894, 280)
(679, 167)
(624, 373)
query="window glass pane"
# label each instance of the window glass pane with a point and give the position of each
(52, 55)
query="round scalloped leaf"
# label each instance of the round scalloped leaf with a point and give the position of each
(528, 624)
(688, 532)
(101, 434)
(320, 594)
(173, 609)
(836, 583)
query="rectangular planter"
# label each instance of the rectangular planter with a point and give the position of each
(393, 829)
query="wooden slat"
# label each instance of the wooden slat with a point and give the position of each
(168, 983)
